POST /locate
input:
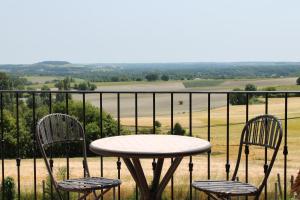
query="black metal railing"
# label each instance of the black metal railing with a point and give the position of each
(17, 95)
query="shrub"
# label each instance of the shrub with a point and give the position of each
(298, 81)
(178, 130)
(151, 77)
(237, 98)
(157, 124)
(8, 187)
(165, 77)
(61, 175)
(240, 98)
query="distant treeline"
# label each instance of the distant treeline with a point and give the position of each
(157, 71)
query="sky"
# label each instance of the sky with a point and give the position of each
(116, 31)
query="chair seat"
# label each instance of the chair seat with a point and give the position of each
(225, 188)
(88, 184)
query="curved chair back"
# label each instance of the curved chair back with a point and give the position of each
(263, 131)
(54, 129)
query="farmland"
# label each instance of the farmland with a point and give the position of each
(163, 100)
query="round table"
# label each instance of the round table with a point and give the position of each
(132, 148)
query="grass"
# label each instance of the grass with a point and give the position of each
(42, 79)
(288, 87)
(202, 83)
(159, 82)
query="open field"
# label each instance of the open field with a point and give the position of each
(202, 83)
(42, 79)
(163, 100)
(218, 160)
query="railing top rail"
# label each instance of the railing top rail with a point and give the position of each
(151, 92)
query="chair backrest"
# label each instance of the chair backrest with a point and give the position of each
(56, 129)
(264, 131)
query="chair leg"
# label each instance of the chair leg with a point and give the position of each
(212, 196)
(83, 196)
(95, 195)
(114, 193)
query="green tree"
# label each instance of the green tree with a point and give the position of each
(152, 77)
(251, 87)
(115, 79)
(85, 86)
(165, 77)
(91, 86)
(64, 84)
(237, 98)
(157, 124)
(45, 96)
(82, 86)
(9, 188)
(5, 83)
(178, 130)
(298, 81)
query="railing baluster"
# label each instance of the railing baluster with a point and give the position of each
(247, 146)
(191, 134)
(84, 125)
(227, 166)
(2, 144)
(136, 132)
(51, 162)
(153, 126)
(285, 150)
(172, 131)
(153, 114)
(119, 132)
(266, 149)
(136, 112)
(68, 145)
(208, 136)
(101, 133)
(18, 160)
(34, 145)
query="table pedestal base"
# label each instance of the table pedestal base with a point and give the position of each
(155, 190)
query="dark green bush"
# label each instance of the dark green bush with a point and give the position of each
(8, 188)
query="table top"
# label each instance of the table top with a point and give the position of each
(149, 146)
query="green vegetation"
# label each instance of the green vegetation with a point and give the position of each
(61, 175)
(298, 81)
(8, 82)
(41, 105)
(165, 77)
(137, 71)
(8, 187)
(85, 86)
(202, 83)
(152, 77)
(241, 99)
(178, 129)
(26, 124)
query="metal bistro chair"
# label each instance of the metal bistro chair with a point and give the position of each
(264, 131)
(62, 129)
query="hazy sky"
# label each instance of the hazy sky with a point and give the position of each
(88, 31)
